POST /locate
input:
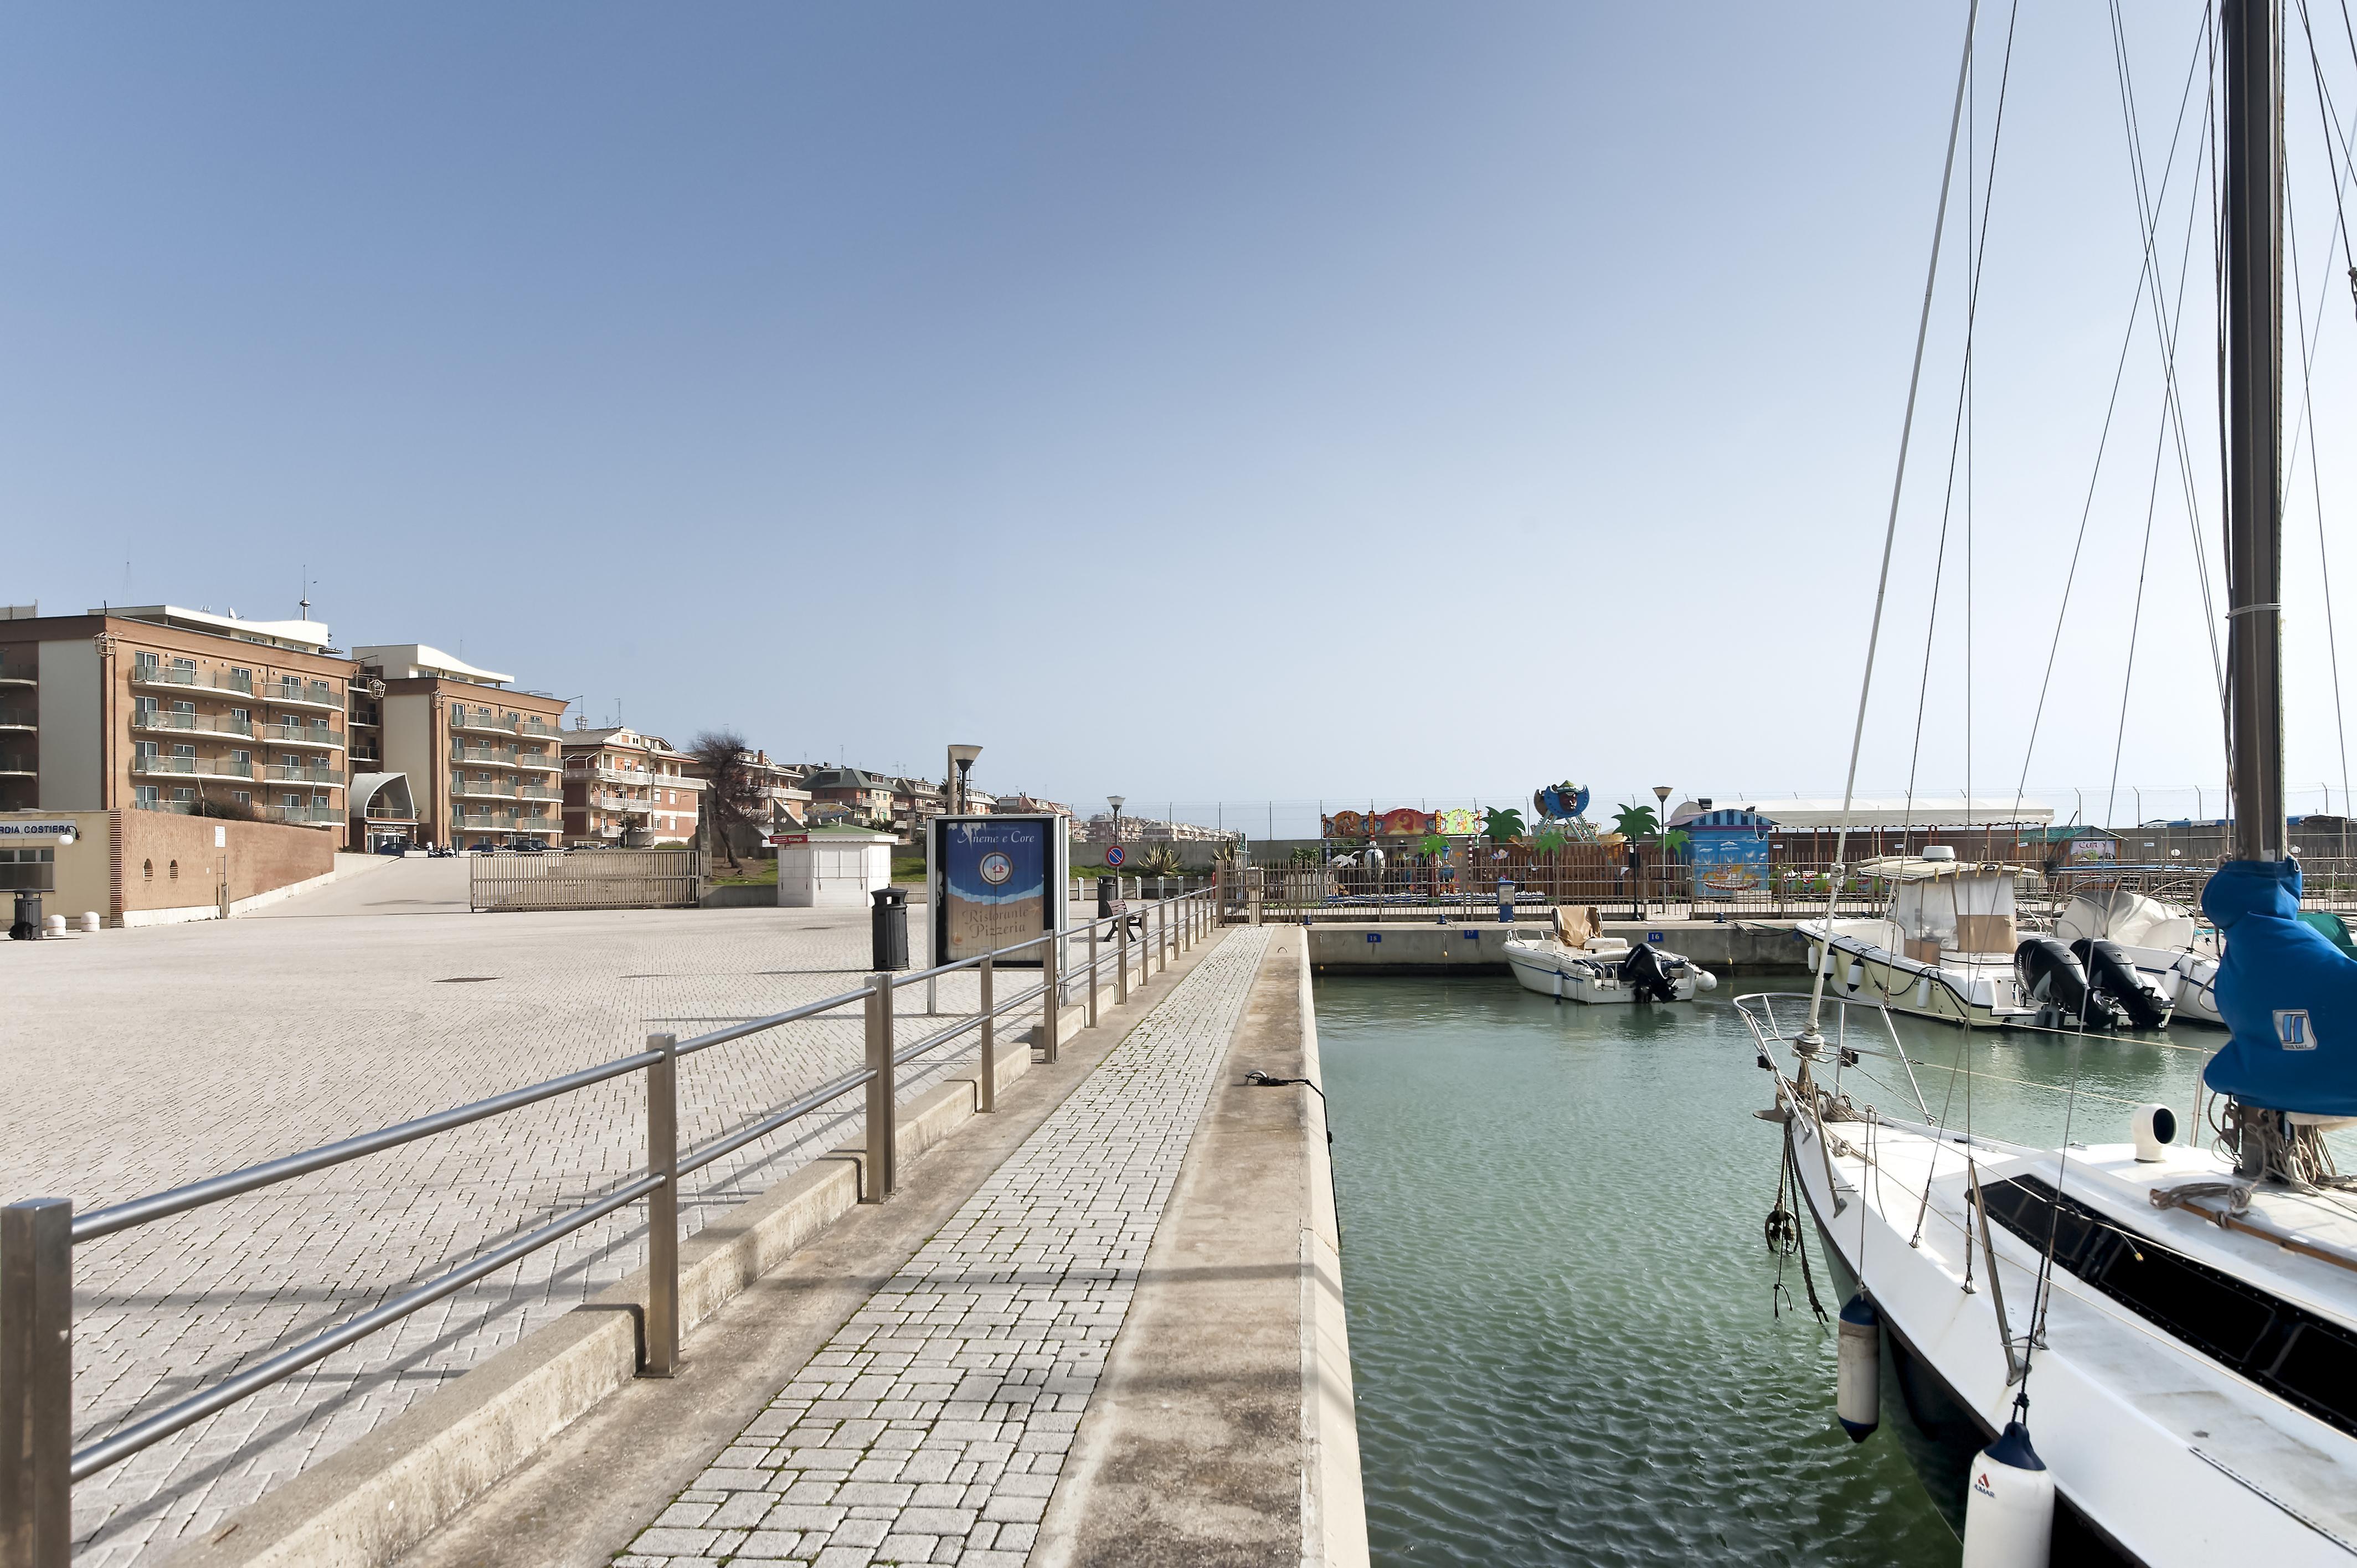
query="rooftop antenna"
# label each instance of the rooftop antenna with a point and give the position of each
(303, 604)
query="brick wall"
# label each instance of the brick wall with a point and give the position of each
(262, 855)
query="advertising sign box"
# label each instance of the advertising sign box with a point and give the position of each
(996, 881)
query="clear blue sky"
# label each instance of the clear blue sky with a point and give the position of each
(1204, 401)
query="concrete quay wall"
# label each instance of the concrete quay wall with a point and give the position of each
(1398, 948)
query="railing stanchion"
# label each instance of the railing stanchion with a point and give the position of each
(1050, 1001)
(663, 1208)
(1121, 955)
(987, 1095)
(36, 1382)
(1092, 975)
(881, 1130)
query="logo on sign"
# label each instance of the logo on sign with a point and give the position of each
(1981, 1485)
(1114, 857)
(2292, 1030)
(996, 868)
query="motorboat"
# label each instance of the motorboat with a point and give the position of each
(1573, 962)
(1948, 949)
(2177, 953)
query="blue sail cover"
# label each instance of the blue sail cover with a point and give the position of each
(2288, 995)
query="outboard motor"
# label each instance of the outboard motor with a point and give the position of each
(2052, 975)
(1651, 974)
(2117, 977)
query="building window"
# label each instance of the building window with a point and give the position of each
(143, 665)
(176, 871)
(184, 795)
(245, 797)
(147, 871)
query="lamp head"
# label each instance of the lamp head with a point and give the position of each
(963, 756)
(1662, 793)
(1116, 802)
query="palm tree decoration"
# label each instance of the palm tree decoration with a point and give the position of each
(1550, 840)
(1433, 843)
(1636, 823)
(1502, 826)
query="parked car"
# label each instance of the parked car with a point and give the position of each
(526, 847)
(393, 846)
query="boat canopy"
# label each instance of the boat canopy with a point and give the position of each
(2128, 918)
(1950, 904)
(1925, 868)
(2288, 994)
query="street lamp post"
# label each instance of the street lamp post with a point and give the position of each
(960, 763)
(1661, 830)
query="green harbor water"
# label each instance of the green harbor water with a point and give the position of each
(1559, 1296)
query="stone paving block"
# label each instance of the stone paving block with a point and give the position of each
(1022, 1291)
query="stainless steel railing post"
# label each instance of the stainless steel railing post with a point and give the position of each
(1092, 975)
(663, 1208)
(987, 1095)
(881, 1130)
(36, 1382)
(1120, 958)
(1051, 1005)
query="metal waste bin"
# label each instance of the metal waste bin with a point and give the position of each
(889, 945)
(1108, 894)
(27, 925)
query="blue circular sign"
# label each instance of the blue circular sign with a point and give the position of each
(996, 868)
(1113, 856)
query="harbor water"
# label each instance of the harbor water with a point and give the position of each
(1561, 1303)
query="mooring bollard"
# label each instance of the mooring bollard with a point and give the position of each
(1092, 975)
(1050, 1002)
(880, 1129)
(663, 1208)
(36, 1382)
(987, 1095)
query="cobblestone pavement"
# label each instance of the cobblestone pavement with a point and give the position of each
(932, 1427)
(139, 1060)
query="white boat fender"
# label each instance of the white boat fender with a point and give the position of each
(1705, 980)
(2009, 1506)
(1858, 1383)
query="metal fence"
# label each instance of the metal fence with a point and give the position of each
(39, 1463)
(586, 879)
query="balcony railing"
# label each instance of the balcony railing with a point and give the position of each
(541, 792)
(281, 773)
(301, 735)
(19, 672)
(638, 776)
(200, 680)
(499, 723)
(17, 718)
(315, 694)
(178, 808)
(306, 816)
(543, 761)
(194, 766)
(201, 724)
(16, 764)
(606, 801)
(505, 755)
(503, 823)
(482, 789)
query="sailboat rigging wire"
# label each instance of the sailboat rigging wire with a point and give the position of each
(1898, 486)
(2331, 120)
(2307, 380)
(2150, 203)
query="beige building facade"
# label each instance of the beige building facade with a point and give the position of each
(482, 759)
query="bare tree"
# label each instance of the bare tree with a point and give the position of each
(731, 793)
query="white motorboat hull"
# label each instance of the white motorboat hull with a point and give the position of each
(1572, 975)
(1978, 995)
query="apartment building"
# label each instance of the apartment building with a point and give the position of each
(1025, 803)
(180, 712)
(482, 760)
(622, 787)
(1099, 829)
(858, 797)
(915, 802)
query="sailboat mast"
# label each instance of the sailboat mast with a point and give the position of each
(2254, 307)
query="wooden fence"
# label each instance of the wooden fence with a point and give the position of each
(586, 879)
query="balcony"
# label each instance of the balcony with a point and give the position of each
(199, 724)
(224, 681)
(279, 773)
(178, 807)
(193, 767)
(606, 801)
(476, 722)
(301, 735)
(298, 694)
(305, 816)
(501, 755)
(638, 776)
(19, 673)
(503, 823)
(18, 719)
(481, 789)
(541, 792)
(541, 761)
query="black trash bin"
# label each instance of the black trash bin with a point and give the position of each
(27, 925)
(1108, 894)
(890, 946)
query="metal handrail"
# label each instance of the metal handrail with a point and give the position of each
(50, 1227)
